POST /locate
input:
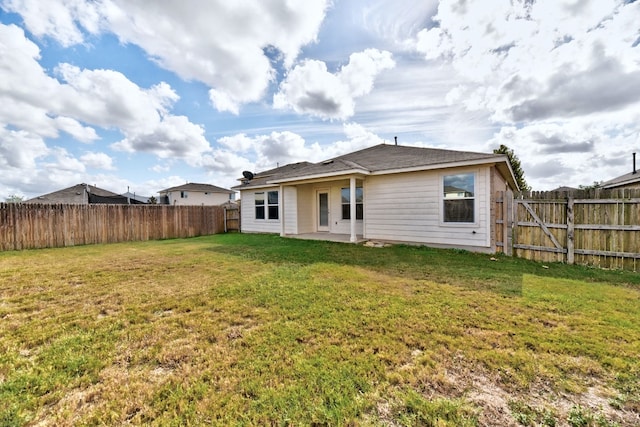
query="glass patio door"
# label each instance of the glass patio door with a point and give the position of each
(323, 211)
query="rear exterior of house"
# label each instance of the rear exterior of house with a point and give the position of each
(400, 194)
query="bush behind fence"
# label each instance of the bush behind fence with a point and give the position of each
(30, 226)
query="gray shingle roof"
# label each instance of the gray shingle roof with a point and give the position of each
(192, 186)
(76, 194)
(378, 158)
(626, 179)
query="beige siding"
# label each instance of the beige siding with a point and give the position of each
(407, 207)
(290, 210)
(306, 206)
(249, 222)
(339, 225)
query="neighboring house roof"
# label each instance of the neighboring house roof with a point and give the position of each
(631, 178)
(77, 194)
(379, 159)
(203, 188)
(565, 189)
(135, 198)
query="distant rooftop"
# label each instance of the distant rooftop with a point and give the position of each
(192, 186)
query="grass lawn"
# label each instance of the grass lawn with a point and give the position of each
(259, 330)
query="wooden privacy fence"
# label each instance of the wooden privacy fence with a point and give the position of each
(597, 228)
(232, 218)
(29, 226)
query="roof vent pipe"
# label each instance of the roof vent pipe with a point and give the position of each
(634, 163)
(396, 139)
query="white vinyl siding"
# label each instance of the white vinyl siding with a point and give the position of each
(249, 222)
(198, 198)
(407, 207)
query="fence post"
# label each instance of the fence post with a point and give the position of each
(570, 231)
(17, 239)
(507, 206)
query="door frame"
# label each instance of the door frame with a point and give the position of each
(321, 228)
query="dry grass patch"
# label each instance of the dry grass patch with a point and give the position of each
(258, 330)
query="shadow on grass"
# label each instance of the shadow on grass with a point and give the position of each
(495, 273)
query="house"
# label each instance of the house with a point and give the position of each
(136, 198)
(386, 192)
(196, 194)
(629, 180)
(83, 194)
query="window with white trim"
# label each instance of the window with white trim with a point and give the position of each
(346, 202)
(272, 204)
(266, 208)
(458, 198)
(259, 203)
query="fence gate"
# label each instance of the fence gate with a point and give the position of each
(503, 214)
(232, 218)
(598, 228)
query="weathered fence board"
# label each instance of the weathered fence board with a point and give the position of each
(29, 226)
(598, 228)
(232, 218)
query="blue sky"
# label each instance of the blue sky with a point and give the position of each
(145, 95)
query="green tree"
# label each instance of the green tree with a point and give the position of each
(516, 166)
(594, 186)
(14, 198)
(152, 200)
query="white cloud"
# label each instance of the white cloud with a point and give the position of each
(160, 168)
(75, 129)
(396, 20)
(32, 95)
(264, 152)
(42, 107)
(572, 154)
(172, 137)
(310, 88)
(105, 98)
(216, 42)
(225, 163)
(64, 163)
(19, 150)
(57, 19)
(97, 160)
(558, 79)
(516, 56)
(109, 99)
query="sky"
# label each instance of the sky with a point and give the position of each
(143, 95)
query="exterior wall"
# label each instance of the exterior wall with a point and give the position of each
(498, 184)
(300, 210)
(306, 208)
(407, 207)
(290, 210)
(336, 223)
(249, 222)
(197, 198)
